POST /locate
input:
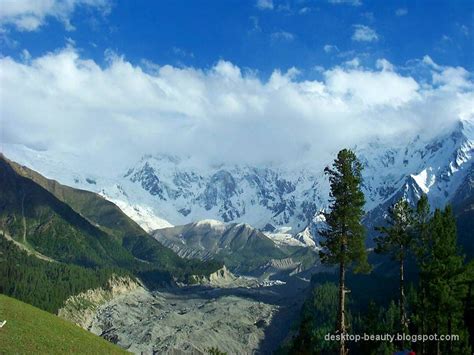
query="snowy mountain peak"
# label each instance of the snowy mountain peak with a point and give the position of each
(162, 190)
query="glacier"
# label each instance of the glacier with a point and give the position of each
(160, 191)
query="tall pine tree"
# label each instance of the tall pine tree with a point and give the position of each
(443, 296)
(442, 274)
(344, 238)
(422, 248)
(396, 240)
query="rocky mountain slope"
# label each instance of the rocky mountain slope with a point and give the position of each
(190, 320)
(239, 246)
(82, 228)
(161, 191)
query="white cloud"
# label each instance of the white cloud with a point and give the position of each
(116, 113)
(401, 12)
(384, 65)
(455, 78)
(265, 4)
(429, 62)
(329, 48)
(282, 36)
(364, 33)
(353, 63)
(30, 15)
(25, 55)
(372, 88)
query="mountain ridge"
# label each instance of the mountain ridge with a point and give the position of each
(160, 190)
(82, 228)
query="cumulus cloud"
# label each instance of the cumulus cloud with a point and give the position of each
(364, 33)
(29, 15)
(353, 63)
(265, 4)
(329, 48)
(384, 64)
(118, 112)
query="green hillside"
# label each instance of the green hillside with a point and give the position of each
(80, 227)
(45, 284)
(30, 330)
(39, 221)
(106, 216)
(57, 241)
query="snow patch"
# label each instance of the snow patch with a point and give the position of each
(425, 180)
(212, 223)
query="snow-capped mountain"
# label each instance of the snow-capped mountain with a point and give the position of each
(160, 190)
(254, 195)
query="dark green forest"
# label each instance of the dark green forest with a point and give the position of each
(439, 300)
(45, 284)
(421, 282)
(418, 279)
(86, 236)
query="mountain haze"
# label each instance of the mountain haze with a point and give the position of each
(285, 201)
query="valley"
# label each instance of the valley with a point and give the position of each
(261, 177)
(228, 286)
(283, 201)
(237, 320)
(233, 269)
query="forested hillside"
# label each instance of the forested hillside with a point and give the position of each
(84, 237)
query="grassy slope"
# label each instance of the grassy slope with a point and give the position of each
(30, 330)
(45, 284)
(106, 215)
(81, 227)
(37, 219)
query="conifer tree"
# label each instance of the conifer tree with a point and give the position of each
(422, 248)
(344, 238)
(443, 276)
(396, 240)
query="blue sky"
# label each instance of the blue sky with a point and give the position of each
(259, 35)
(255, 81)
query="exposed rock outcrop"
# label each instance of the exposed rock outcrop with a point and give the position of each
(223, 278)
(81, 308)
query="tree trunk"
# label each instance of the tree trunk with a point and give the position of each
(403, 320)
(342, 315)
(423, 331)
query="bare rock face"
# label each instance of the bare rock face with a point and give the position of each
(186, 321)
(220, 277)
(81, 308)
(238, 315)
(223, 278)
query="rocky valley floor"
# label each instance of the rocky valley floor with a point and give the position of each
(189, 320)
